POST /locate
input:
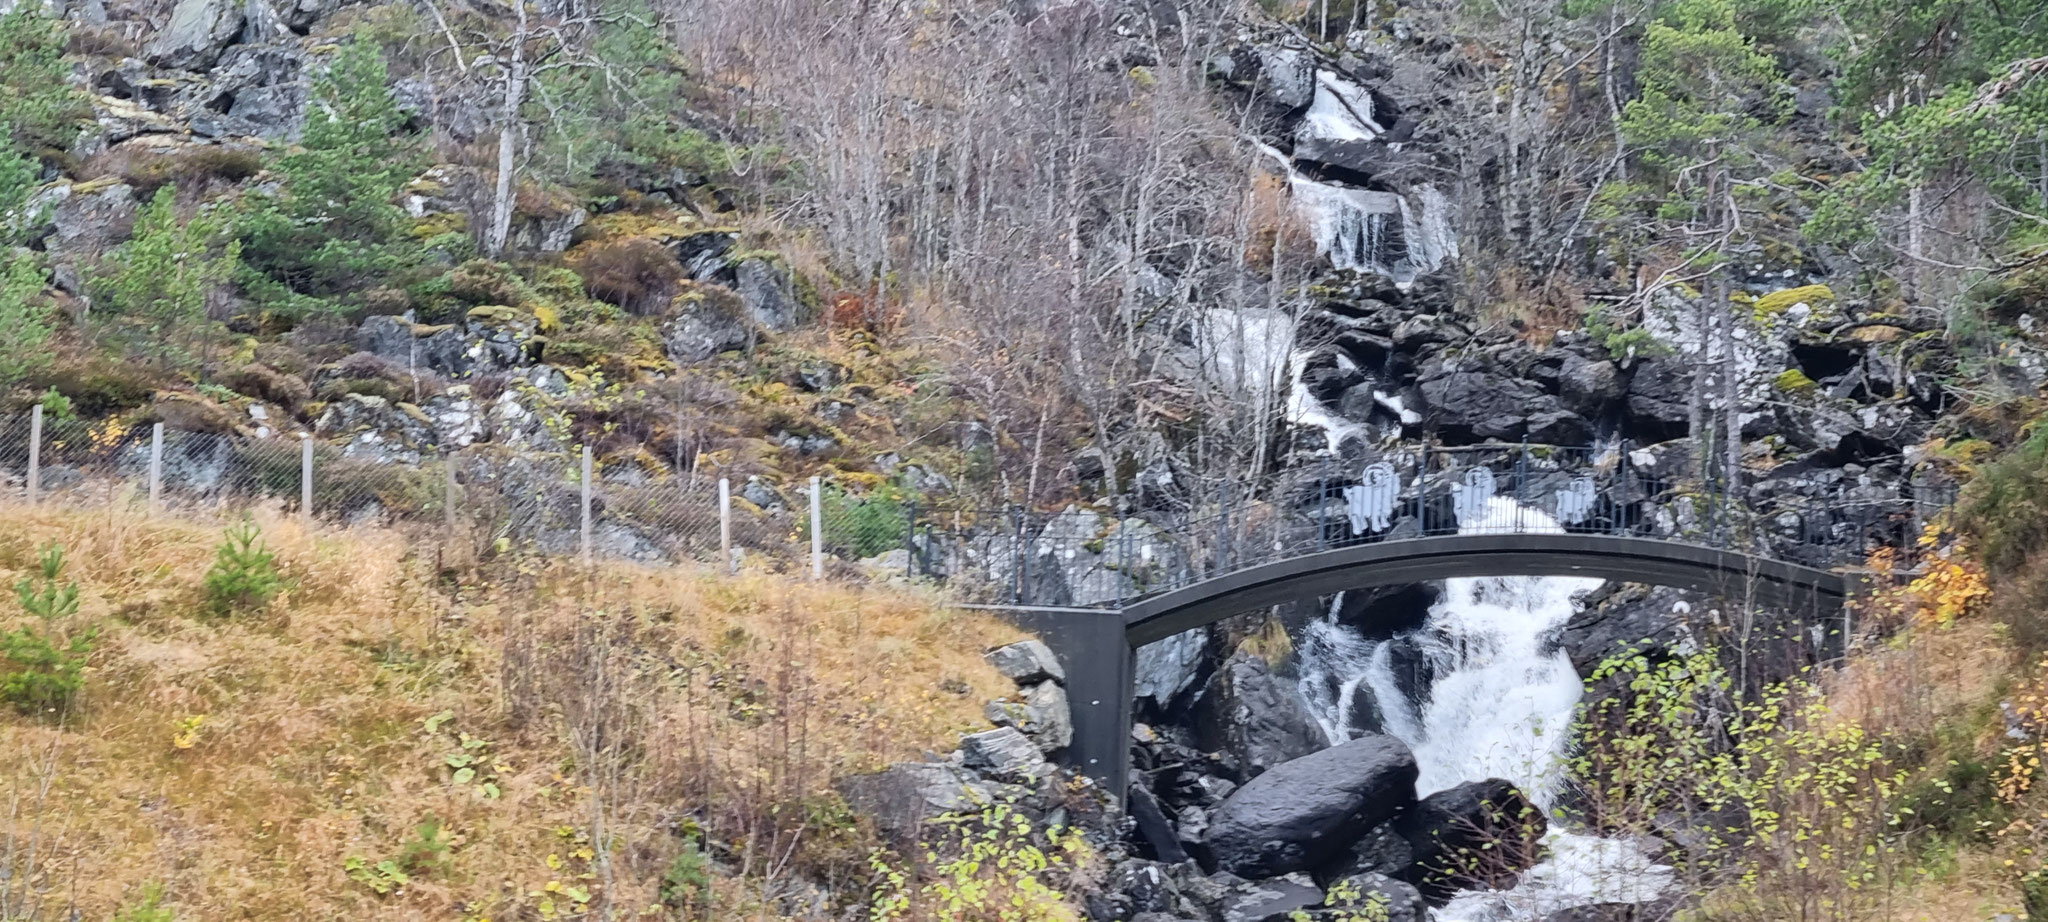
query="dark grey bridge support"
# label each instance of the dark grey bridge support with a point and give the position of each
(1101, 666)
(1098, 647)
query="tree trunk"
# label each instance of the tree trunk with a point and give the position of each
(500, 230)
(1916, 239)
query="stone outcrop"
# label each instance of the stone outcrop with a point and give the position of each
(1256, 717)
(198, 32)
(1300, 814)
(1479, 835)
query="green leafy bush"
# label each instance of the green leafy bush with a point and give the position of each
(1791, 805)
(38, 103)
(44, 662)
(425, 853)
(244, 575)
(867, 524)
(2004, 511)
(1622, 342)
(686, 885)
(990, 866)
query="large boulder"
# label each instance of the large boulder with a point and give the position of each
(197, 33)
(1026, 662)
(1301, 814)
(703, 327)
(88, 218)
(1004, 753)
(1043, 714)
(1480, 834)
(1625, 618)
(1165, 668)
(1476, 404)
(1659, 399)
(1257, 717)
(1382, 851)
(1588, 386)
(1276, 900)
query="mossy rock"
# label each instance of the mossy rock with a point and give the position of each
(620, 225)
(497, 313)
(434, 225)
(91, 186)
(1794, 381)
(1778, 302)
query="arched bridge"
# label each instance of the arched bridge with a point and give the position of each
(1097, 589)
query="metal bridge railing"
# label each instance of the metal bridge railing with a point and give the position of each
(1086, 558)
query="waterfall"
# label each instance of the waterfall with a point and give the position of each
(1251, 352)
(1365, 230)
(1478, 692)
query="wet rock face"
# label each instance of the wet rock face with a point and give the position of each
(1255, 716)
(1470, 403)
(1349, 899)
(1300, 814)
(1623, 618)
(1481, 834)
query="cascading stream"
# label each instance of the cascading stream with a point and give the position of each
(1478, 692)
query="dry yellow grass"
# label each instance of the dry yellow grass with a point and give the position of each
(624, 707)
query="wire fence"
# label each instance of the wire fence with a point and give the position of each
(571, 504)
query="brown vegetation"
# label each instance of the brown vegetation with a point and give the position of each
(637, 274)
(615, 723)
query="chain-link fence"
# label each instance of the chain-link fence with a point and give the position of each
(1081, 555)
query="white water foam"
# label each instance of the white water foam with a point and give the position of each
(1500, 705)
(1251, 352)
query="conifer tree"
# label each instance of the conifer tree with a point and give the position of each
(334, 226)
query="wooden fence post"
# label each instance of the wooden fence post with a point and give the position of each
(586, 504)
(817, 528)
(35, 453)
(725, 561)
(448, 493)
(156, 467)
(306, 478)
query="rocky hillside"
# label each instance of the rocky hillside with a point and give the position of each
(1094, 263)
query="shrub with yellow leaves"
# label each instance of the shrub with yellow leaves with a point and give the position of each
(990, 866)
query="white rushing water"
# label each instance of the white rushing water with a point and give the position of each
(1494, 702)
(1252, 353)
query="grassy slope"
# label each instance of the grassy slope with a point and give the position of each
(640, 701)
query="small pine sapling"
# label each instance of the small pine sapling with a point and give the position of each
(244, 575)
(44, 668)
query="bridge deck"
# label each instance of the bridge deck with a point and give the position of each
(1098, 646)
(1769, 583)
